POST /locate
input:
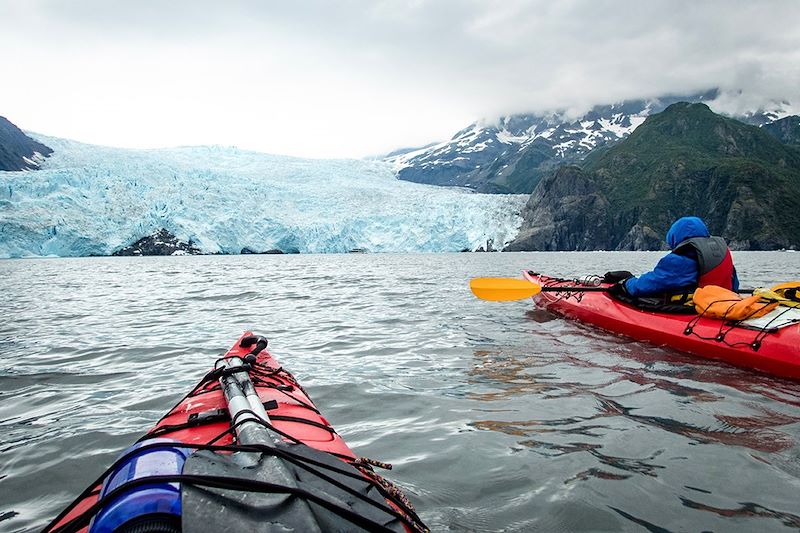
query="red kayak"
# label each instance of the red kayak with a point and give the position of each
(245, 450)
(774, 351)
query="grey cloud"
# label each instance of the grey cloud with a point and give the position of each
(500, 55)
(491, 57)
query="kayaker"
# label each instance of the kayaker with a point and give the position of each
(697, 259)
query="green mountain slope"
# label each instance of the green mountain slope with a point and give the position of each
(686, 160)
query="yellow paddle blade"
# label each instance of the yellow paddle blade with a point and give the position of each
(503, 289)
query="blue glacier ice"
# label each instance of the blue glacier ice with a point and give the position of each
(94, 200)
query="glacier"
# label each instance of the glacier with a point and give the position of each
(92, 200)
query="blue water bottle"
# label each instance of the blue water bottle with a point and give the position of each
(147, 508)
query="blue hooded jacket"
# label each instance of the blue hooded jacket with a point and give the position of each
(673, 271)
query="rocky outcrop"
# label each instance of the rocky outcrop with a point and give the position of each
(684, 161)
(17, 150)
(567, 211)
(642, 238)
(250, 251)
(161, 242)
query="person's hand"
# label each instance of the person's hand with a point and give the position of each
(618, 290)
(615, 276)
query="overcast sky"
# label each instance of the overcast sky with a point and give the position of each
(326, 78)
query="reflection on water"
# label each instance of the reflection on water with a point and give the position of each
(747, 510)
(497, 417)
(629, 420)
(760, 439)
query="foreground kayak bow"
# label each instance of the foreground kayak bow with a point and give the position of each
(245, 450)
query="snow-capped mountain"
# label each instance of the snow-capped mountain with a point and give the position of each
(96, 200)
(512, 155)
(786, 129)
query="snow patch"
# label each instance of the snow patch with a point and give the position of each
(506, 137)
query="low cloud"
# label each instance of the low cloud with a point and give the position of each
(357, 77)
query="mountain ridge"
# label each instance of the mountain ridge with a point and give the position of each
(17, 150)
(512, 154)
(685, 160)
(786, 130)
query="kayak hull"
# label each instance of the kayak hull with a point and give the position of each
(291, 413)
(776, 353)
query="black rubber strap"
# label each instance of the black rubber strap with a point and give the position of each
(231, 483)
(284, 418)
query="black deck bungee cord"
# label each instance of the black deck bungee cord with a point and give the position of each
(755, 344)
(405, 514)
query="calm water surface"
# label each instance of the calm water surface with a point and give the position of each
(496, 416)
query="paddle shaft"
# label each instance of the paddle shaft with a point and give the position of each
(574, 289)
(553, 288)
(247, 412)
(244, 405)
(512, 289)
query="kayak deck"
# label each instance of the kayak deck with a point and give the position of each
(773, 352)
(201, 419)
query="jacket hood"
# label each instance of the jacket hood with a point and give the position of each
(686, 228)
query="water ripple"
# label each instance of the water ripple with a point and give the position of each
(497, 417)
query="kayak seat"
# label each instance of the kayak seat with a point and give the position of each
(654, 304)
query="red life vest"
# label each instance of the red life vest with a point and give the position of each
(721, 275)
(714, 261)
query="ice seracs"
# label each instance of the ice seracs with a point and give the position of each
(93, 200)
